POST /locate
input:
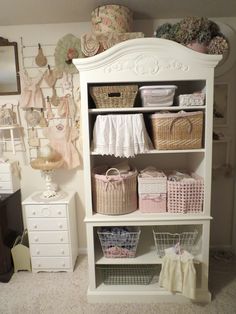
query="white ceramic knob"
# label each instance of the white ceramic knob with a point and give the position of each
(34, 213)
(63, 265)
(35, 226)
(38, 252)
(39, 265)
(61, 239)
(59, 212)
(36, 239)
(62, 252)
(60, 226)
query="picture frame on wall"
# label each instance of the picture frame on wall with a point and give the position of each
(220, 104)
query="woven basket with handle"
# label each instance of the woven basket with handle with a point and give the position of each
(114, 194)
(182, 130)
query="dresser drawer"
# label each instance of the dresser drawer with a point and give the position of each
(47, 224)
(46, 210)
(7, 185)
(5, 177)
(49, 237)
(49, 250)
(51, 262)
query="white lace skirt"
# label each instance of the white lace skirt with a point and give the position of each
(122, 135)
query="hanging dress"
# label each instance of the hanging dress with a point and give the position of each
(61, 137)
(178, 273)
(31, 94)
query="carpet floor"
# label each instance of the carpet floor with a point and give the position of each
(65, 293)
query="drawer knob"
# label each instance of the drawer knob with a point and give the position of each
(62, 252)
(59, 212)
(60, 226)
(38, 252)
(35, 226)
(61, 239)
(39, 265)
(63, 265)
(34, 213)
(36, 239)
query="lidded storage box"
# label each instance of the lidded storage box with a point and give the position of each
(114, 96)
(114, 193)
(154, 96)
(181, 130)
(112, 18)
(152, 190)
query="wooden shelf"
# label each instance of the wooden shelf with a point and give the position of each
(144, 109)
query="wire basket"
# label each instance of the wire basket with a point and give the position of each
(117, 96)
(165, 240)
(119, 243)
(127, 274)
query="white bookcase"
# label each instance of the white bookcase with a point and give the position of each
(148, 61)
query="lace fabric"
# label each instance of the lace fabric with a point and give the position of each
(122, 135)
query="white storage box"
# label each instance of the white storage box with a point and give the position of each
(157, 95)
(189, 100)
(152, 193)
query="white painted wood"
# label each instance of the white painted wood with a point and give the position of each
(52, 232)
(142, 61)
(9, 181)
(48, 210)
(49, 250)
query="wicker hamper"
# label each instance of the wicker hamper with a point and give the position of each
(182, 130)
(185, 196)
(114, 194)
(114, 96)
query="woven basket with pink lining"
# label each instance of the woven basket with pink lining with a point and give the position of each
(114, 193)
(185, 196)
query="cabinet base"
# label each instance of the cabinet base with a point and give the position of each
(141, 296)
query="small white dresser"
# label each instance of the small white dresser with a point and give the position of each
(52, 232)
(9, 177)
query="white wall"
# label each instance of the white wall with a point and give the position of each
(32, 180)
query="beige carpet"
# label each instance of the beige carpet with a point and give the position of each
(65, 293)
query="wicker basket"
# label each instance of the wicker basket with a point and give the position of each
(119, 243)
(185, 196)
(165, 240)
(114, 96)
(127, 274)
(114, 194)
(182, 130)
